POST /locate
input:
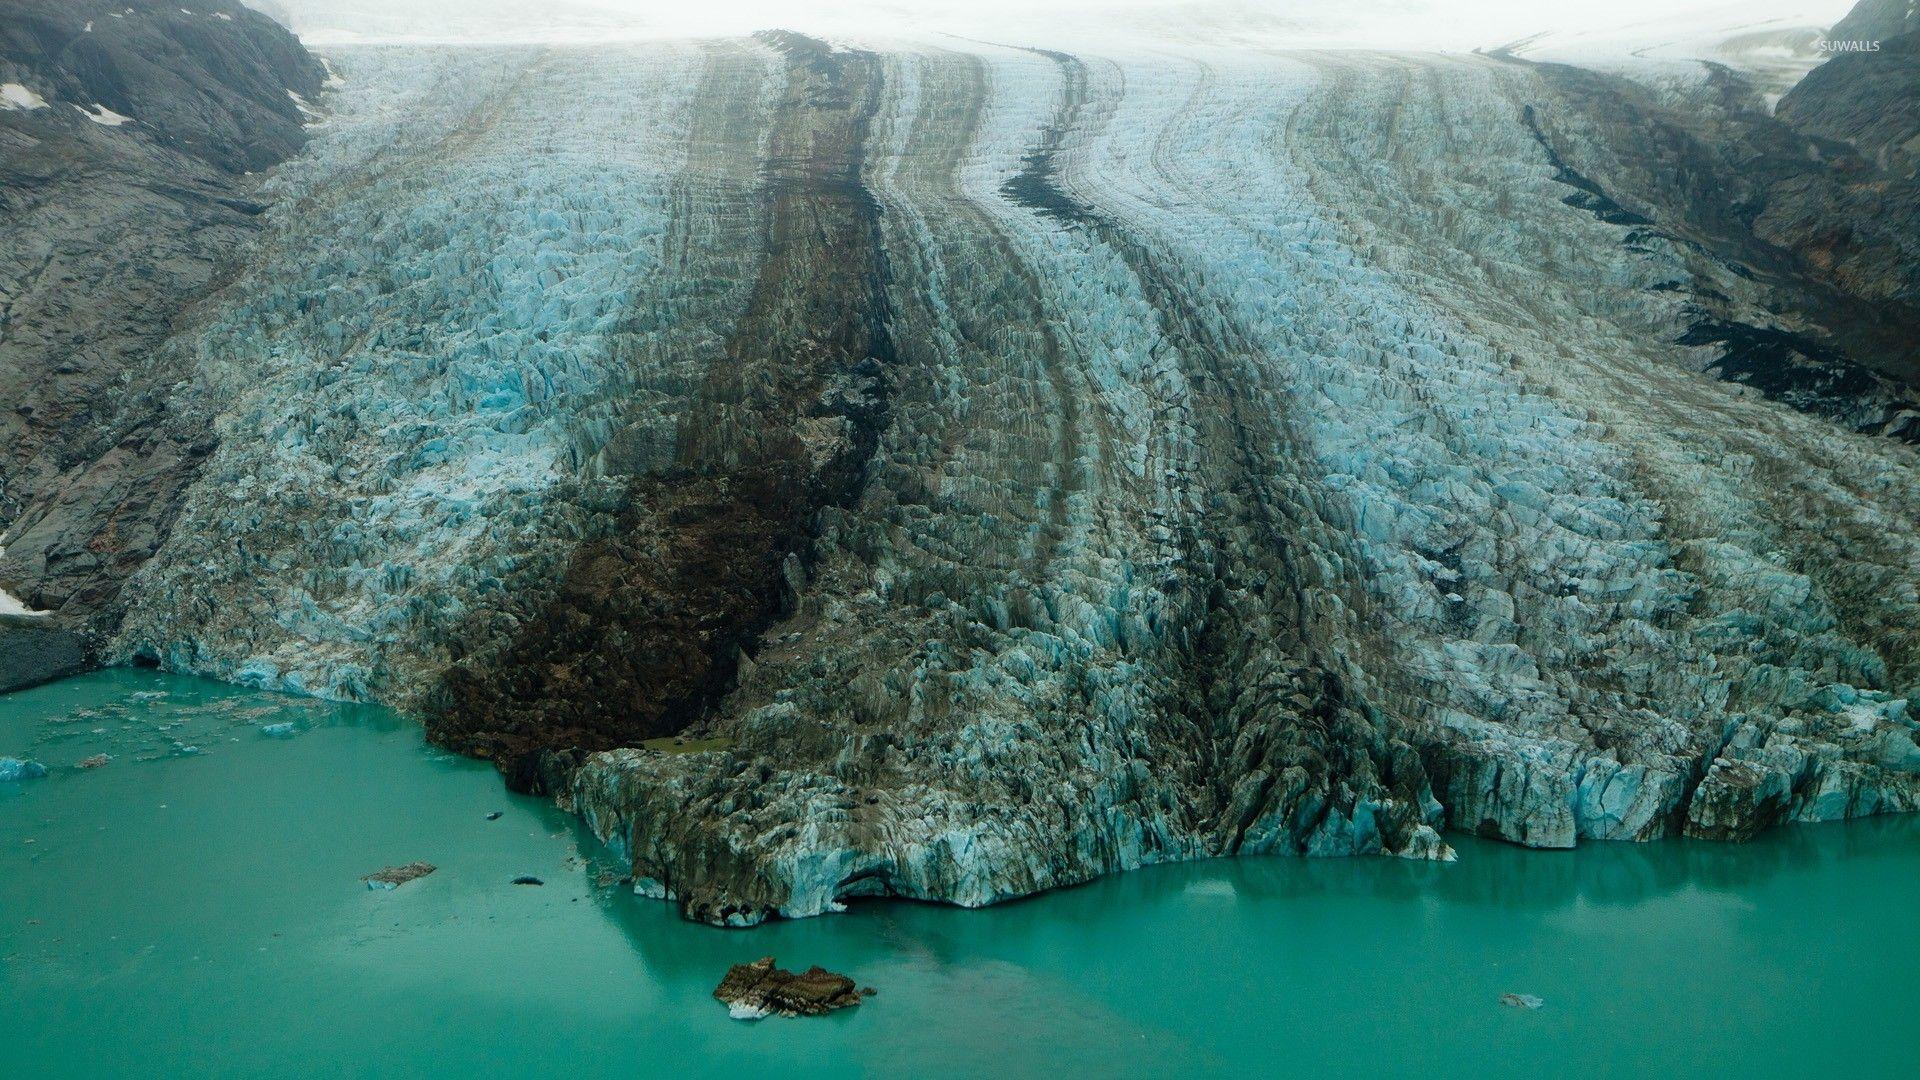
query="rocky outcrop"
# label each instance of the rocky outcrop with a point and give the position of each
(1876, 21)
(1868, 100)
(1001, 467)
(759, 989)
(35, 649)
(1797, 248)
(124, 190)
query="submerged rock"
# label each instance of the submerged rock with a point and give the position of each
(18, 769)
(395, 876)
(528, 879)
(759, 989)
(1521, 1001)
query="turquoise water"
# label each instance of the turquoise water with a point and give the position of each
(176, 913)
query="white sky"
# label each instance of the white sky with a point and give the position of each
(1447, 25)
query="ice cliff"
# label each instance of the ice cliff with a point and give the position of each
(953, 471)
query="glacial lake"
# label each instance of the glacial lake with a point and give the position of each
(201, 913)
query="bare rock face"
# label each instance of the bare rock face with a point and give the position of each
(1876, 21)
(123, 191)
(34, 650)
(1802, 278)
(760, 989)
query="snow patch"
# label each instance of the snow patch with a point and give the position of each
(12, 605)
(15, 96)
(104, 116)
(1861, 716)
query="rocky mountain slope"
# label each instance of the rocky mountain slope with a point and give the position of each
(126, 143)
(957, 470)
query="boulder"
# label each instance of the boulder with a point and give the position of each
(759, 989)
(395, 876)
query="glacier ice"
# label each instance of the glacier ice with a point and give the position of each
(1272, 461)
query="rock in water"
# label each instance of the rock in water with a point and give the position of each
(395, 876)
(1521, 1001)
(93, 762)
(528, 879)
(759, 989)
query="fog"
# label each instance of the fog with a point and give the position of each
(1441, 25)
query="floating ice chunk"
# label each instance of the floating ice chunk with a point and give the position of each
(12, 769)
(103, 116)
(280, 731)
(741, 1010)
(16, 97)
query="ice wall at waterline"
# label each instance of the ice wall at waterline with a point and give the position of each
(1222, 452)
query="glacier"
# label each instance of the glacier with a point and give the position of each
(950, 470)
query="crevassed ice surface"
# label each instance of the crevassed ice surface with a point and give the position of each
(1271, 462)
(465, 291)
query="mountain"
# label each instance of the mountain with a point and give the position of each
(948, 469)
(125, 184)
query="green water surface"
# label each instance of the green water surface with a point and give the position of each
(194, 908)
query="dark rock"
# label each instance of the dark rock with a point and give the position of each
(528, 879)
(759, 989)
(107, 232)
(1812, 212)
(1876, 20)
(395, 876)
(1868, 99)
(495, 816)
(36, 649)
